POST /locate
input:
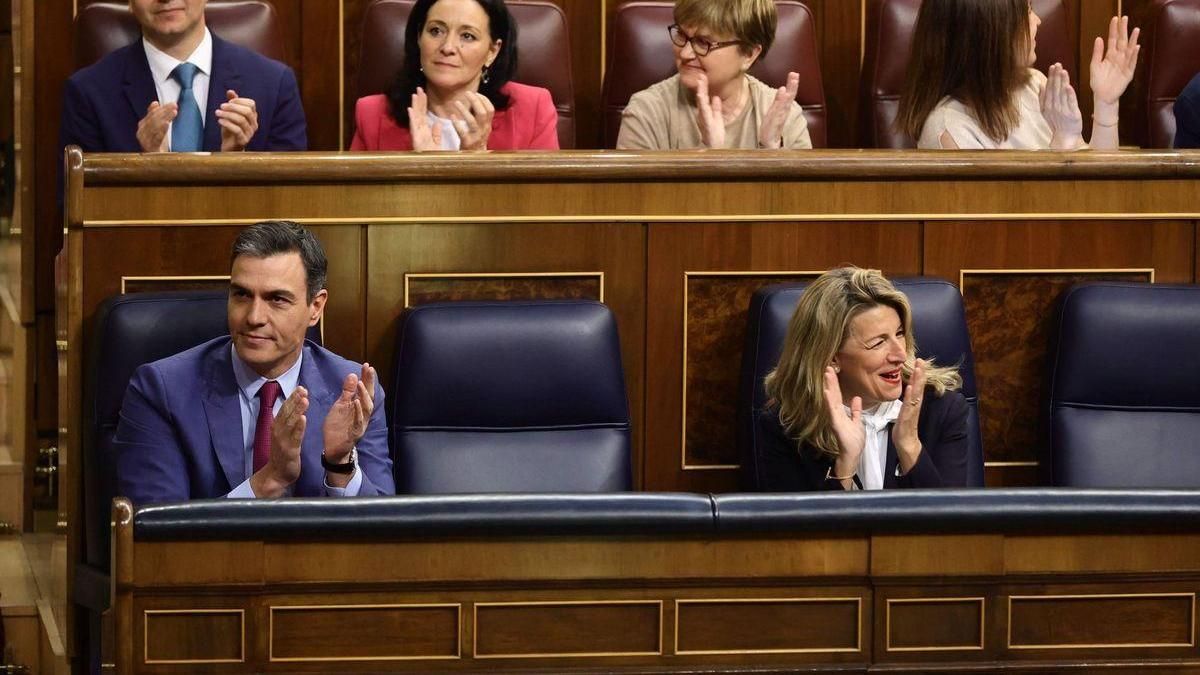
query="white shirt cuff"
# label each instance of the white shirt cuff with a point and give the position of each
(242, 491)
(351, 489)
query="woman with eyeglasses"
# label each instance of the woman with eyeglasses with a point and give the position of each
(971, 82)
(712, 102)
(454, 90)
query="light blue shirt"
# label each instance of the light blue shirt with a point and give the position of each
(249, 382)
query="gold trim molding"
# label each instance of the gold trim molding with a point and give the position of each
(1053, 270)
(687, 275)
(241, 614)
(887, 631)
(1101, 596)
(312, 659)
(558, 603)
(858, 601)
(172, 277)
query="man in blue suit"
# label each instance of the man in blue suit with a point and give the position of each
(1187, 116)
(262, 412)
(181, 88)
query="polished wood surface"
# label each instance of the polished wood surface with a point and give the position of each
(910, 602)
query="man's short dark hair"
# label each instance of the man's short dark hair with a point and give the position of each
(273, 237)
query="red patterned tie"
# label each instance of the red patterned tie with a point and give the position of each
(262, 429)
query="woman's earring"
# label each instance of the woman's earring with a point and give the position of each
(485, 74)
(837, 368)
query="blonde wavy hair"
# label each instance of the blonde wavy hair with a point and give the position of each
(816, 332)
(751, 21)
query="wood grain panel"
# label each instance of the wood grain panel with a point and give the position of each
(715, 309)
(765, 249)
(312, 25)
(194, 636)
(1010, 271)
(422, 289)
(1099, 553)
(1011, 318)
(1102, 621)
(793, 625)
(555, 629)
(934, 624)
(364, 632)
(214, 562)
(617, 250)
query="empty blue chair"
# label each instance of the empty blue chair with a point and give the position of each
(509, 397)
(941, 332)
(1125, 386)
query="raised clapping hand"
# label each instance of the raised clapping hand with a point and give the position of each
(287, 436)
(770, 132)
(1112, 69)
(424, 136)
(1060, 108)
(348, 417)
(849, 429)
(473, 121)
(709, 116)
(904, 431)
(238, 118)
(152, 129)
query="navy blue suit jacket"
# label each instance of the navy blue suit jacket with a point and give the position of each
(942, 428)
(103, 103)
(180, 432)
(1187, 116)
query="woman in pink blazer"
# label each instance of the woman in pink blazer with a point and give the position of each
(454, 90)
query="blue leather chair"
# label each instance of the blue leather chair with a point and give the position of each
(941, 332)
(509, 397)
(1125, 387)
(128, 331)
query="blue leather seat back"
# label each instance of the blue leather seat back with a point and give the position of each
(509, 397)
(131, 330)
(941, 332)
(1125, 386)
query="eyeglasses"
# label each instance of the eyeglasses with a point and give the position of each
(699, 45)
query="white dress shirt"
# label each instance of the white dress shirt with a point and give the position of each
(873, 462)
(161, 66)
(450, 139)
(249, 382)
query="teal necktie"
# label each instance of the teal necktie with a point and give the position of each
(187, 131)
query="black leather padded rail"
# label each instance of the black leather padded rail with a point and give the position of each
(383, 518)
(1048, 510)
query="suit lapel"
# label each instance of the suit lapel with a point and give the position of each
(320, 400)
(224, 76)
(889, 467)
(224, 414)
(138, 82)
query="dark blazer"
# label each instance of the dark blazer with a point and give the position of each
(942, 429)
(180, 432)
(103, 103)
(1187, 116)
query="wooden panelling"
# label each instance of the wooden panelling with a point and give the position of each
(1011, 318)
(420, 289)
(558, 629)
(364, 632)
(786, 625)
(951, 554)
(1102, 621)
(714, 315)
(1048, 554)
(567, 257)
(934, 624)
(752, 255)
(1011, 272)
(194, 636)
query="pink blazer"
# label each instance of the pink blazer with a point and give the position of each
(529, 123)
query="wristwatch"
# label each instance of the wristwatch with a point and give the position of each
(347, 468)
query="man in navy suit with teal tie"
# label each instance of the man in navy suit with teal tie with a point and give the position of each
(180, 88)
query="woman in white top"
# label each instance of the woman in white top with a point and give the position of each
(971, 83)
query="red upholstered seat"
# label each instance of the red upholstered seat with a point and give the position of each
(543, 48)
(888, 42)
(102, 27)
(1170, 58)
(639, 54)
